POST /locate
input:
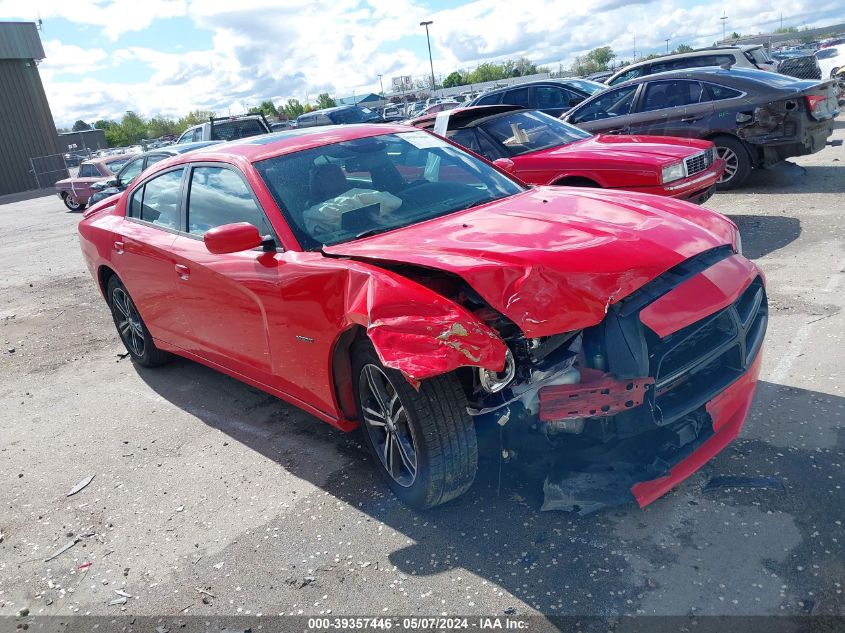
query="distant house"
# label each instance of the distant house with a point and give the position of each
(359, 99)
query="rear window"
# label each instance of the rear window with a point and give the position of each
(758, 56)
(239, 128)
(827, 53)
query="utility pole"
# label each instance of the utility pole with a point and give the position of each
(635, 47)
(381, 83)
(430, 61)
(724, 20)
(667, 45)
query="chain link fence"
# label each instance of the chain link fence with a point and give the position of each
(48, 169)
(803, 67)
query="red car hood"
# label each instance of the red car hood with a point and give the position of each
(553, 259)
(649, 150)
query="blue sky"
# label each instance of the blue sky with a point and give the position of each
(171, 56)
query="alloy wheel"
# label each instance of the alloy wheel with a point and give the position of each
(731, 163)
(386, 422)
(71, 202)
(128, 322)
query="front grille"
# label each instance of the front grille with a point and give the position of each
(703, 358)
(697, 163)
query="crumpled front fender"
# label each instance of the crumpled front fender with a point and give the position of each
(417, 331)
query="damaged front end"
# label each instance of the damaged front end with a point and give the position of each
(632, 405)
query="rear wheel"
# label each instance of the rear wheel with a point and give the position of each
(737, 162)
(72, 203)
(423, 442)
(134, 334)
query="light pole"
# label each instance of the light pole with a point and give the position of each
(381, 83)
(431, 63)
(724, 20)
(667, 45)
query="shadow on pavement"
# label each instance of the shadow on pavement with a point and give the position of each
(787, 176)
(601, 564)
(763, 234)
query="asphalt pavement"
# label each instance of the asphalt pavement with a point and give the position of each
(210, 497)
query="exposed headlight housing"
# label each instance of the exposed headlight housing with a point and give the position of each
(492, 381)
(673, 172)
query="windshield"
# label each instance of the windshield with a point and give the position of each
(342, 191)
(115, 165)
(531, 131)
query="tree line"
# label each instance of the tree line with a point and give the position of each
(132, 128)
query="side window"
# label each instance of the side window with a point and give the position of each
(158, 200)
(660, 95)
(87, 170)
(715, 92)
(517, 97)
(490, 99)
(154, 158)
(218, 196)
(639, 71)
(466, 137)
(553, 97)
(132, 169)
(608, 104)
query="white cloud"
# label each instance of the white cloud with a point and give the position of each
(263, 49)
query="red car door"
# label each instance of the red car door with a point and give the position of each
(222, 298)
(142, 252)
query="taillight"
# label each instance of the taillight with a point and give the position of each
(814, 100)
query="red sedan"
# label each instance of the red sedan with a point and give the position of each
(75, 191)
(380, 276)
(542, 150)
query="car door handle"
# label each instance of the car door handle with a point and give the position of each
(118, 247)
(691, 119)
(183, 272)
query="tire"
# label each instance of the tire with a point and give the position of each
(131, 328)
(738, 162)
(432, 423)
(72, 203)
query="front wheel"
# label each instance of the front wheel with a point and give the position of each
(131, 328)
(423, 441)
(737, 162)
(72, 203)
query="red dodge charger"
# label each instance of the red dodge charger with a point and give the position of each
(542, 150)
(379, 276)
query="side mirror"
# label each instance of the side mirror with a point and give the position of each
(504, 163)
(232, 238)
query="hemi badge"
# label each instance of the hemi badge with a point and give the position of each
(304, 339)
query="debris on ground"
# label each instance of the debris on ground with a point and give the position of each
(740, 481)
(207, 593)
(82, 484)
(299, 583)
(123, 355)
(122, 593)
(84, 566)
(510, 611)
(23, 612)
(118, 601)
(63, 549)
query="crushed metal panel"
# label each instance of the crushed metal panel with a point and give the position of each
(597, 394)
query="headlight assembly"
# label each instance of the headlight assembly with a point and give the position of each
(493, 382)
(673, 172)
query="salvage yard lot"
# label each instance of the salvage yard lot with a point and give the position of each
(204, 483)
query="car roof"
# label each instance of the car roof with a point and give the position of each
(463, 116)
(256, 148)
(536, 82)
(104, 160)
(332, 109)
(710, 73)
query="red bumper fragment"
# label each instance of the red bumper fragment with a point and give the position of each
(598, 394)
(728, 411)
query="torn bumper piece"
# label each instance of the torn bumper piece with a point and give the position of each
(596, 394)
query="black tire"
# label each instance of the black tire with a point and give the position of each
(131, 328)
(738, 162)
(72, 203)
(441, 432)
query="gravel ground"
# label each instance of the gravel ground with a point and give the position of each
(203, 484)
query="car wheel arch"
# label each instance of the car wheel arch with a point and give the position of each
(341, 368)
(104, 275)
